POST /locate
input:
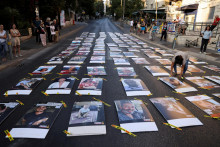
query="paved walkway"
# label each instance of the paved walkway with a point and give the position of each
(211, 55)
(30, 47)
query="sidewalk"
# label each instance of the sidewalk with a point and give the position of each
(211, 55)
(30, 47)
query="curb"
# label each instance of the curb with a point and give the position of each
(202, 56)
(17, 61)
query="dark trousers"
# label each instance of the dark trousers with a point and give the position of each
(37, 36)
(204, 45)
(164, 34)
(212, 27)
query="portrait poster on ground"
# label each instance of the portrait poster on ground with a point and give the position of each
(178, 68)
(196, 60)
(134, 116)
(43, 70)
(24, 86)
(99, 53)
(135, 87)
(164, 61)
(61, 85)
(177, 85)
(126, 71)
(193, 68)
(140, 61)
(56, 60)
(130, 54)
(97, 59)
(70, 69)
(202, 83)
(37, 121)
(206, 103)
(213, 68)
(87, 118)
(152, 55)
(215, 79)
(96, 70)
(121, 61)
(116, 54)
(77, 60)
(157, 71)
(90, 86)
(6, 109)
(174, 112)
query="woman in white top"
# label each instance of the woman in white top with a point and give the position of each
(3, 44)
(62, 83)
(206, 37)
(15, 40)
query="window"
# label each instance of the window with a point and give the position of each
(211, 12)
(151, 6)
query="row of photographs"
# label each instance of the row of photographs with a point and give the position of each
(88, 118)
(93, 86)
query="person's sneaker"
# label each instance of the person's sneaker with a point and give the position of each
(200, 52)
(205, 53)
(16, 56)
(20, 55)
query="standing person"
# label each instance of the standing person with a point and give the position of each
(181, 24)
(52, 32)
(215, 22)
(131, 25)
(164, 31)
(142, 27)
(138, 27)
(3, 46)
(42, 33)
(47, 25)
(56, 25)
(36, 25)
(181, 59)
(15, 40)
(135, 25)
(154, 29)
(206, 37)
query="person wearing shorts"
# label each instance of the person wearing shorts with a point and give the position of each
(15, 40)
(3, 45)
(143, 27)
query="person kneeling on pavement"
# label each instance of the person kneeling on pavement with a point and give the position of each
(181, 59)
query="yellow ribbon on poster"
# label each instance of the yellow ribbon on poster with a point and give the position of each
(30, 74)
(173, 126)
(9, 135)
(212, 117)
(20, 102)
(179, 93)
(78, 93)
(64, 104)
(102, 102)
(6, 94)
(67, 133)
(44, 93)
(75, 77)
(120, 128)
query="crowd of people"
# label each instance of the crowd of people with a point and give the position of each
(144, 25)
(45, 32)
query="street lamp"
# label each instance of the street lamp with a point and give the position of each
(156, 10)
(124, 10)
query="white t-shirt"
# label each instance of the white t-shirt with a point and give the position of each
(183, 54)
(131, 23)
(2, 34)
(181, 21)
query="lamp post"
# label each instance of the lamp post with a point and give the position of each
(124, 10)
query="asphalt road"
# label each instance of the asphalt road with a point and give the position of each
(206, 135)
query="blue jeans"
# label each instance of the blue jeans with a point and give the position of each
(3, 51)
(185, 68)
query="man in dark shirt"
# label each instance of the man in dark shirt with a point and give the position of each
(39, 117)
(127, 112)
(36, 24)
